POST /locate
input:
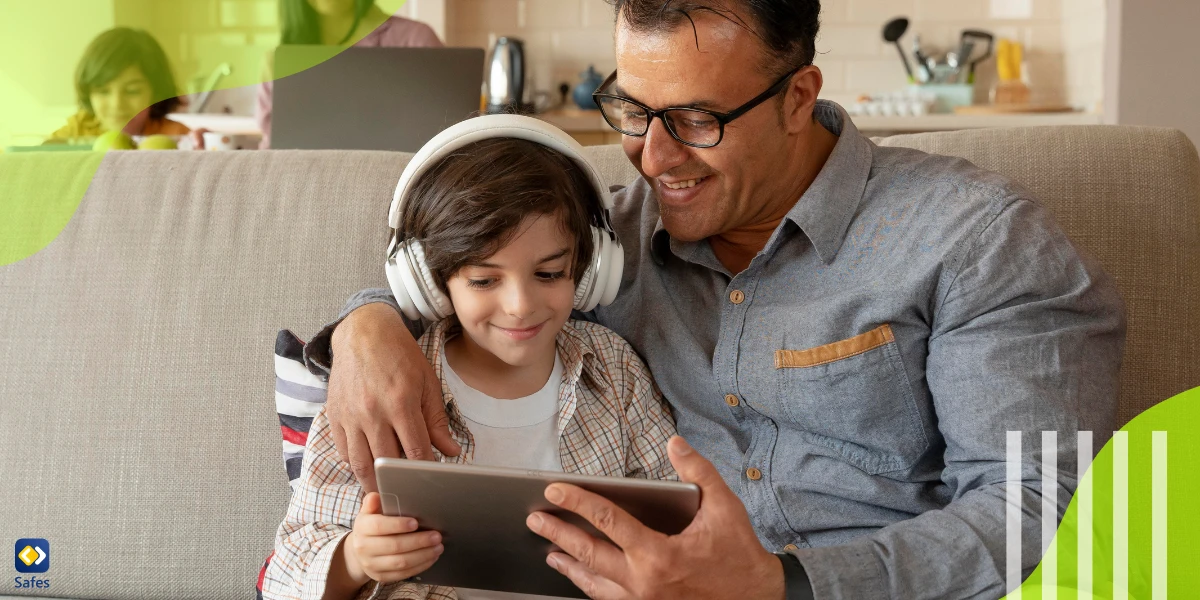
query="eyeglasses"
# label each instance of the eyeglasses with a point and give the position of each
(695, 127)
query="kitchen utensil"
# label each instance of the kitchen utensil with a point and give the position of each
(953, 68)
(506, 77)
(924, 69)
(892, 31)
(958, 61)
(976, 35)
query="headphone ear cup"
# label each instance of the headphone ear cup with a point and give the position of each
(395, 268)
(584, 290)
(438, 304)
(615, 268)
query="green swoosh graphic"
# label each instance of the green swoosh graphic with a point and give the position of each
(1179, 417)
(40, 45)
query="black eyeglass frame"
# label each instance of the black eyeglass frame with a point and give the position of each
(722, 118)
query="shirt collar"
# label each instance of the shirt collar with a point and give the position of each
(825, 209)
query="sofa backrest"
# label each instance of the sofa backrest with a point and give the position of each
(137, 424)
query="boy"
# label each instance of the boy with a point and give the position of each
(498, 239)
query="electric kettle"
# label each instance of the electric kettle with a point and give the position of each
(506, 78)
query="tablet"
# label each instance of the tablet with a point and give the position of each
(481, 512)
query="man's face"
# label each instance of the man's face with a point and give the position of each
(705, 191)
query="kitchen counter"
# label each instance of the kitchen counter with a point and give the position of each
(950, 122)
(220, 123)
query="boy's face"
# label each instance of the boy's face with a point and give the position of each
(513, 305)
(119, 101)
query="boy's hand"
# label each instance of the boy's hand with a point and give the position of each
(388, 549)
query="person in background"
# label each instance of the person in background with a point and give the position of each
(123, 83)
(339, 22)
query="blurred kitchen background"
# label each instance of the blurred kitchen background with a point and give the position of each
(1106, 61)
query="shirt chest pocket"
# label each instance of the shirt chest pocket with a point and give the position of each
(854, 397)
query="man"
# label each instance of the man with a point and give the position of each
(845, 331)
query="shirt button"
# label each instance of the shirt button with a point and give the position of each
(753, 474)
(731, 400)
(790, 547)
(737, 297)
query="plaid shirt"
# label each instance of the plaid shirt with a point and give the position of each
(612, 420)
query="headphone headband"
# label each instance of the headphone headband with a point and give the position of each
(494, 126)
(408, 275)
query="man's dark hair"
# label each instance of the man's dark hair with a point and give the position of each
(118, 49)
(472, 203)
(788, 28)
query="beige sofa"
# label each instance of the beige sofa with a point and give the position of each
(137, 424)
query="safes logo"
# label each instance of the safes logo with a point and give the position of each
(32, 555)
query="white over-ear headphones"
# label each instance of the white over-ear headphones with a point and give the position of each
(410, 279)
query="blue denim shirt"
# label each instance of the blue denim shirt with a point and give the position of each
(855, 383)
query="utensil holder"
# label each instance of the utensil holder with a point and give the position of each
(947, 95)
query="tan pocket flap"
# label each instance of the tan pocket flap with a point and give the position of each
(794, 359)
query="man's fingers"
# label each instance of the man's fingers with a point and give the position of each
(696, 469)
(410, 421)
(599, 556)
(383, 441)
(414, 438)
(595, 586)
(438, 424)
(620, 527)
(360, 460)
(339, 438)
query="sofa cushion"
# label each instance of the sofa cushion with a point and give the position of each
(299, 396)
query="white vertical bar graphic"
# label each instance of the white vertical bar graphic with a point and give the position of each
(1120, 515)
(1049, 513)
(1083, 498)
(1158, 531)
(1012, 520)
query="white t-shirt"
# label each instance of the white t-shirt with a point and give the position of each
(521, 432)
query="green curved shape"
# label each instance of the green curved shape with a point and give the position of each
(1179, 417)
(39, 193)
(40, 45)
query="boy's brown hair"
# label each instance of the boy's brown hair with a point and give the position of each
(118, 49)
(470, 204)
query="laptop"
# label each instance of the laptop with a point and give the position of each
(371, 98)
